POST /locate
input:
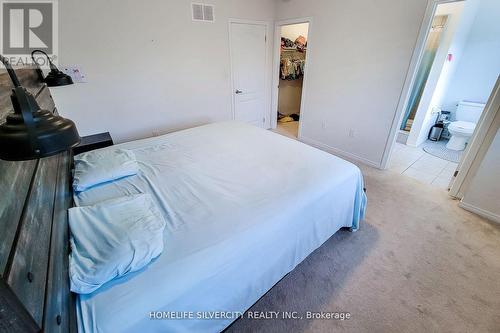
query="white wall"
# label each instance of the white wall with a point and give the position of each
(358, 63)
(293, 31)
(479, 65)
(483, 194)
(480, 189)
(149, 67)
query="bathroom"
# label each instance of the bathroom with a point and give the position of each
(452, 84)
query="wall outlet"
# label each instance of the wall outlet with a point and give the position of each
(323, 125)
(352, 133)
(76, 73)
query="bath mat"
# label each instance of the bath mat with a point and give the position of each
(438, 149)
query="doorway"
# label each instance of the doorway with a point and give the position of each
(293, 53)
(248, 47)
(450, 85)
(431, 48)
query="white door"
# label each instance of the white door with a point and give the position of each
(248, 61)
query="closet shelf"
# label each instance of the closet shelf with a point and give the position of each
(292, 49)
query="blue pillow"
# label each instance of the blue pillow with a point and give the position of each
(102, 166)
(113, 238)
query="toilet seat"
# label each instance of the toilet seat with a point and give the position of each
(463, 127)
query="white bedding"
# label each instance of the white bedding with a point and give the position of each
(243, 207)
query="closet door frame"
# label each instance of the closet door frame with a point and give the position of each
(276, 70)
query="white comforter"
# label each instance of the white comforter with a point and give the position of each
(243, 207)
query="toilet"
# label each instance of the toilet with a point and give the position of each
(461, 130)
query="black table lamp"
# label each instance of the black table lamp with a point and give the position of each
(55, 78)
(29, 132)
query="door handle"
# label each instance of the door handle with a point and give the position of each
(239, 92)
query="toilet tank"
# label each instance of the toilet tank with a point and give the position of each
(469, 111)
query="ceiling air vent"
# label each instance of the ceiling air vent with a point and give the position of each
(202, 12)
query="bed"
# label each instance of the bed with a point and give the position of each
(243, 207)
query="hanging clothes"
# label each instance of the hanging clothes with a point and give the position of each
(293, 55)
(292, 69)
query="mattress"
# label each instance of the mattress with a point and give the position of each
(243, 206)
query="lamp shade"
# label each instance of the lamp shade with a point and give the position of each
(31, 133)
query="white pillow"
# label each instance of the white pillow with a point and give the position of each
(101, 166)
(111, 239)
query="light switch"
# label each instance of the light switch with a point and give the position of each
(76, 73)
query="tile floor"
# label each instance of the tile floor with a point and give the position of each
(416, 163)
(290, 129)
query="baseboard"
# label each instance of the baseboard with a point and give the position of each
(339, 152)
(481, 212)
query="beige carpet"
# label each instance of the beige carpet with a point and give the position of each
(419, 263)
